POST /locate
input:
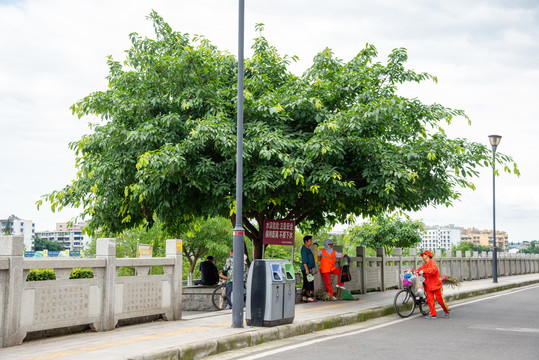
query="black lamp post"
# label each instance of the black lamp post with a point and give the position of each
(494, 141)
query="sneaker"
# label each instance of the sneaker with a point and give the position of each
(311, 300)
(228, 307)
(446, 315)
(304, 299)
(333, 298)
(430, 317)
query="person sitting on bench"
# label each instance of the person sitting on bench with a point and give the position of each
(208, 270)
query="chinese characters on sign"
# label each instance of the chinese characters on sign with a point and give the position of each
(279, 232)
(144, 251)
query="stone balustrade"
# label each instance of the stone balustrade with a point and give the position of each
(382, 272)
(100, 302)
(104, 300)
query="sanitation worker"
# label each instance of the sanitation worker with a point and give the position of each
(433, 284)
(327, 258)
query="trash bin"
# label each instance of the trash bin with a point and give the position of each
(271, 289)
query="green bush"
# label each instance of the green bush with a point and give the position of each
(81, 273)
(41, 274)
(126, 271)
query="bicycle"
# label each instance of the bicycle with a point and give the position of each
(218, 297)
(410, 296)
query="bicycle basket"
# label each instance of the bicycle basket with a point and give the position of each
(408, 279)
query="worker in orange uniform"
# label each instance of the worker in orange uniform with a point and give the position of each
(327, 258)
(433, 284)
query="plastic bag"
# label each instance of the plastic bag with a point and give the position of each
(346, 294)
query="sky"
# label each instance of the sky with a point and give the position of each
(484, 53)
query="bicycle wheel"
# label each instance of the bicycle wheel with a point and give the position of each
(423, 306)
(404, 303)
(218, 298)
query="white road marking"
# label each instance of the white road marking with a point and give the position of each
(498, 328)
(310, 342)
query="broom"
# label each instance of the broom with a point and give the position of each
(323, 295)
(451, 281)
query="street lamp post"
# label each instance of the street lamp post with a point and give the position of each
(494, 141)
(238, 245)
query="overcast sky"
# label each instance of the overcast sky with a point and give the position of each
(484, 53)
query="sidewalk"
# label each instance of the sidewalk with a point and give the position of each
(201, 334)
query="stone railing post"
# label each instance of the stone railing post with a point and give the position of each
(361, 252)
(398, 253)
(449, 259)
(412, 252)
(106, 249)
(12, 247)
(174, 250)
(458, 255)
(438, 257)
(468, 255)
(381, 252)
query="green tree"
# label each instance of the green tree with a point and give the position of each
(42, 244)
(207, 236)
(532, 249)
(468, 246)
(320, 148)
(7, 229)
(388, 231)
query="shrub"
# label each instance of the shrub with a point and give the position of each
(41, 275)
(81, 273)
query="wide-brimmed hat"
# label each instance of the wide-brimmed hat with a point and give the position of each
(428, 253)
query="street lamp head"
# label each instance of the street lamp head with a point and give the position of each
(494, 139)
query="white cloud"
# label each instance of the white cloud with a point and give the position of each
(485, 54)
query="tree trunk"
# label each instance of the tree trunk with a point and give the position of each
(258, 245)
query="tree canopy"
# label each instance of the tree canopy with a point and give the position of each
(388, 231)
(44, 244)
(336, 142)
(205, 237)
(468, 246)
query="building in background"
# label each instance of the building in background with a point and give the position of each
(440, 237)
(71, 237)
(20, 227)
(484, 237)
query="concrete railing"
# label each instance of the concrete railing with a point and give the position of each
(382, 272)
(101, 301)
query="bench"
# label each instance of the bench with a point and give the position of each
(197, 298)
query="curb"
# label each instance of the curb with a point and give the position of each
(261, 335)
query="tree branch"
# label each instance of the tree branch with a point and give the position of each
(250, 227)
(306, 213)
(295, 208)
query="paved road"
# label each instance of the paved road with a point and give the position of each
(500, 326)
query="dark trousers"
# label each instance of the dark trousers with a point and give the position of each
(229, 294)
(308, 287)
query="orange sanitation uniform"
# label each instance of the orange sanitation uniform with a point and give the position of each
(433, 286)
(327, 267)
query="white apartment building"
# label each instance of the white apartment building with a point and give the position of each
(20, 227)
(440, 237)
(71, 237)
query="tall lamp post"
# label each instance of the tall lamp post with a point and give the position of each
(494, 141)
(238, 245)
